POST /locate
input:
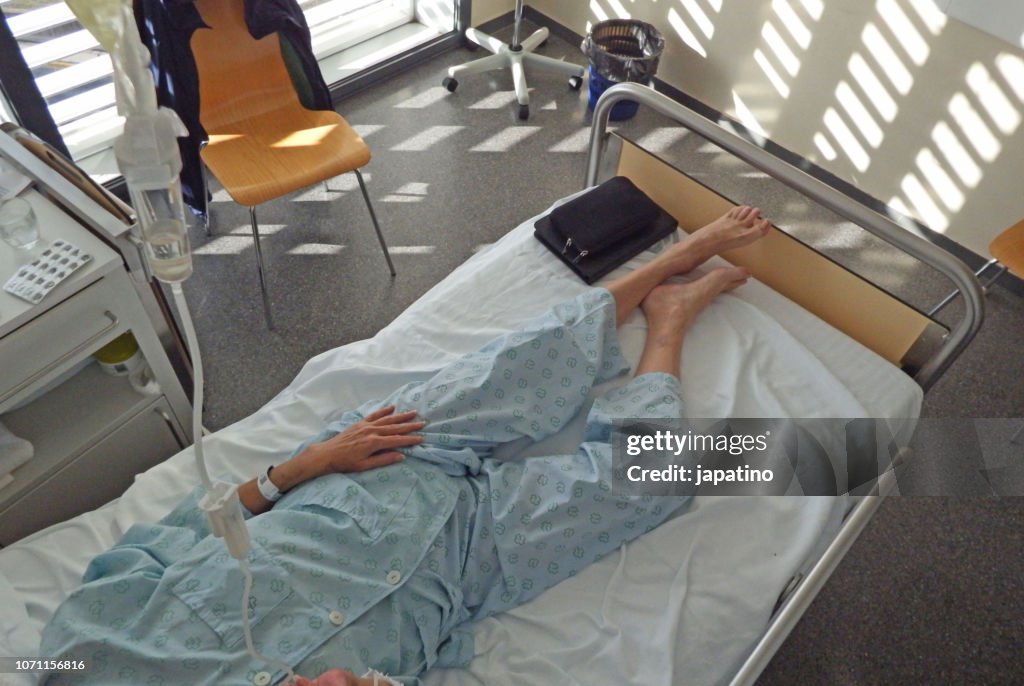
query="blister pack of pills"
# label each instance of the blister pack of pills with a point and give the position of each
(33, 281)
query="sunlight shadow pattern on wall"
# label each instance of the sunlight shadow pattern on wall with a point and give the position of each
(980, 115)
(850, 126)
(784, 39)
(980, 111)
(697, 27)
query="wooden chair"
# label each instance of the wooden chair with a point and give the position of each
(262, 142)
(1008, 249)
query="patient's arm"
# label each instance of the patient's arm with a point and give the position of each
(367, 444)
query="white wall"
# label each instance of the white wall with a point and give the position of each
(485, 10)
(915, 108)
(1002, 18)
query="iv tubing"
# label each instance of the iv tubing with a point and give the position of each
(197, 384)
(112, 22)
(197, 434)
(247, 630)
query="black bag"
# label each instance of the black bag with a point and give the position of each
(603, 228)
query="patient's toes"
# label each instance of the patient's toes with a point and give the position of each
(739, 226)
(751, 216)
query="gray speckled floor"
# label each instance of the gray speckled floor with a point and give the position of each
(930, 592)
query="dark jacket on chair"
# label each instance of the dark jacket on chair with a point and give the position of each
(166, 28)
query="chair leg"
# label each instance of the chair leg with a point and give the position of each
(376, 226)
(551, 64)
(535, 39)
(519, 80)
(259, 266)
(479, 66)
(484, 40)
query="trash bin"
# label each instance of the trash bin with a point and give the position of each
(621, 50)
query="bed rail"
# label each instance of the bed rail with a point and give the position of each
(883, 227)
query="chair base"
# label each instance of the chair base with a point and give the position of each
(505, 56)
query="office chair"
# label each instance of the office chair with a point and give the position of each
(513, 55)
(262, 142)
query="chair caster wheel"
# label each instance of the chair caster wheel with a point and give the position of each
(450, 83)
(575, 82)
(524, 112)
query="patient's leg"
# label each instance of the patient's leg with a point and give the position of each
(530, 382)
(547, 518)
(671, 308)
(736, 228)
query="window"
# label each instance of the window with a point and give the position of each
(71, 71)
(339, 24)
(74, 75)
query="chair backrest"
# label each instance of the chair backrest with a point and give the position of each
(239, 76)
(1008, 248)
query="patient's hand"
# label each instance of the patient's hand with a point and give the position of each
(367, 444)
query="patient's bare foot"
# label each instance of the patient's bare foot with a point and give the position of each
(736, 228)
(672, 307)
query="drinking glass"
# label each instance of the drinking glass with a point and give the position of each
(18, 225)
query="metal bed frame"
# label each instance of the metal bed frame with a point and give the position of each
(797, 596)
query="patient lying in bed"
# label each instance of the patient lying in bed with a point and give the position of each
(396, 530)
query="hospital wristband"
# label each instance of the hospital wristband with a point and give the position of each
(267, 488)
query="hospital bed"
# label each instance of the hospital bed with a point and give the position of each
(709, 596)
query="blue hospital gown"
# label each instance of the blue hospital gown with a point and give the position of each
(388, 568)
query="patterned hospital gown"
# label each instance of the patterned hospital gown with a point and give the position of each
(387, 568)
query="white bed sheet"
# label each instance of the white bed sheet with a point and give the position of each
(683, 604)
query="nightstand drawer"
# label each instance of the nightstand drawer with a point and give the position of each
(59, 338)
